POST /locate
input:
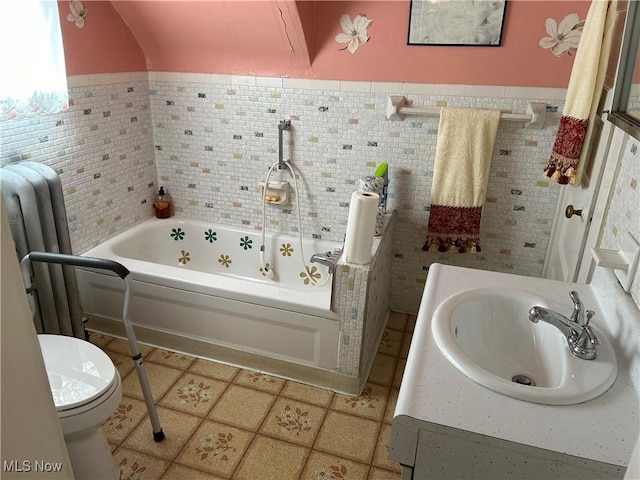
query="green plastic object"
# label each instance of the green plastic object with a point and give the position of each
(381, 170)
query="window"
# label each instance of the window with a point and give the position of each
(33, 79)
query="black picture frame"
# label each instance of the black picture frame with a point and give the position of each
(477, 23)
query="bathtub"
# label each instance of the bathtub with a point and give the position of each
(203, 282)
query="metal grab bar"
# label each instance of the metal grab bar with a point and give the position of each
(78, 261)
(124, 273)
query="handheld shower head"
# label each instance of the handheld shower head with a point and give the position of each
(266, 270)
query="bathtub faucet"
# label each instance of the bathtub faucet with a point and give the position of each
(581, 339)
(328, 258)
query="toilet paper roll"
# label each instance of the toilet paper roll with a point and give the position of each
(371, 184)
(361, 224)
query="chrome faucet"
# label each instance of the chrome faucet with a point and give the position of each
(328, 258)
(580, 337)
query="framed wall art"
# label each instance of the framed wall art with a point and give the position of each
(456, 22)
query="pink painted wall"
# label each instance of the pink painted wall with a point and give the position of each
(296, 39)
(104, 45)
(387, 57)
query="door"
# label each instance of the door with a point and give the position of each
(578, 221)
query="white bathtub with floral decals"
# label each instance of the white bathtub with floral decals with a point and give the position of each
(204, 282)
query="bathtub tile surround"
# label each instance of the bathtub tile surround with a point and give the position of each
(362, 323)
(227, 422)
(213, 138)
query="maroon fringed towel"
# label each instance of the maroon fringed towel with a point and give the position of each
(583, 94)
(460, 173)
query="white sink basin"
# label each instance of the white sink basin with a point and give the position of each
(487, 335)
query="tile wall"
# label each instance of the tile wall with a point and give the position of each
(209, 139)
(623, 213)
(101, 148)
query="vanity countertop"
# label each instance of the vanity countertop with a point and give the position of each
(434, 391)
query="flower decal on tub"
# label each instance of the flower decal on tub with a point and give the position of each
(354, 33)
(210, 236)
(184, 258)
(245, 242)
(564, 36)
(310, 275)
(286, 249)
(78, 13)
(177, 234)
(225, 261)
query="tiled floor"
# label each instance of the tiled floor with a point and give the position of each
(225, 422)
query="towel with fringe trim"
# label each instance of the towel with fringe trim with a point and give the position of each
(583, 94)
(461, 169)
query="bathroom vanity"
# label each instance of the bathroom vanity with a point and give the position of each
(449, 426)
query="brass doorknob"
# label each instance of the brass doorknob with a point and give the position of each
(570, 211)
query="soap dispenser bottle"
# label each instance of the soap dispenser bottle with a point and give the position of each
(162, 204)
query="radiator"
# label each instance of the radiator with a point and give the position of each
(33, 197)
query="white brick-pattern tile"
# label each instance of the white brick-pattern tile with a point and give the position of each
(209, 139)
(101, 148)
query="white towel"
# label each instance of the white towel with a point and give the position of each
(583, 94)
(461, 169)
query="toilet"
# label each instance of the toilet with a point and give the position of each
(86, 390)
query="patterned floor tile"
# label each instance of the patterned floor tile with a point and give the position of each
(177, 428)
(160, 378)
(307, 393)
(380, 474)
(216, 370)
(224, 422)
(348, 436)
(170, 359)
(194, 394)
(122, 422)
(370, 403)
(383, 369)
(321, 466)
(381, 454)
(261, 381)
(391, 342)
(391, 406)
(178, 472)
(397, 321)
(411, 323)
(98, 339)
(215, 448)
(294, 421)
(397, 376)
(242, 407)
(123, 363)
(120, 345)
(269, 458)
(138, 466)
(406, 344)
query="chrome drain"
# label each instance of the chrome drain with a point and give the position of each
(523, 380)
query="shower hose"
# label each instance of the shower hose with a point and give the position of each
(267, 270)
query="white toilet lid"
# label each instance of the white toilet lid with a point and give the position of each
(78, 371)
